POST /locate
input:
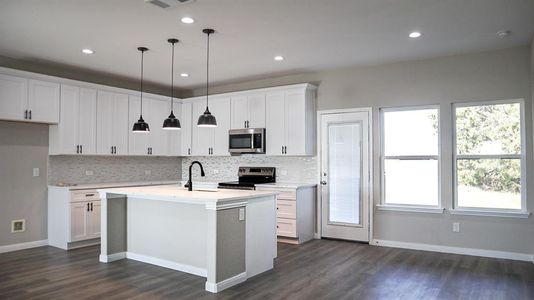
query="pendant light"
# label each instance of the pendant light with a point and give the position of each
(141, 126)
(172, 123)
(207, 119)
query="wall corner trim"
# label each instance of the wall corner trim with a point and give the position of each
(21, 246)
(454, 250)
(222, 285)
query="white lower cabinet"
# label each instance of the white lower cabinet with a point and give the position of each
(295, 208)
(73, 218)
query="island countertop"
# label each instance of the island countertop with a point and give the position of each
(176, 193)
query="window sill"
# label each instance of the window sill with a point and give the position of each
(418, 209)
(486, 213)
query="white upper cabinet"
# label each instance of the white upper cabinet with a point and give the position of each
(76, 131)
(290, 121)
(174, 137)
(112, 123)
(13, 97)
(248, 111)
(187, 128)
(138, 141)
(158, 138)
(212, 141)
(43, 101)
(28, 100)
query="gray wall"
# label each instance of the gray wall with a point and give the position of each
(503, 74)
(22, 196)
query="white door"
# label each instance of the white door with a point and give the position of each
(68, 127)
(275, 123)
(87, 121)
(13, 97)
(78, 220)
(256, 111)
(202, 136)
(43, 101)
(239, 112)
(220, 108)
(157, 139)
(345, 191)
(121, 127)
(104, 124)
(186, 122)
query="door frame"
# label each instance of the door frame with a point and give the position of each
(320, 113)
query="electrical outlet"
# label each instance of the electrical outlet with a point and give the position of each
(455, 227)
(18, 226)
(35, 172)
(89, 173)
(215, 171)
(148, 172)
(241, 214)
(283, 172)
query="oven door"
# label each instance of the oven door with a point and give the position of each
(250, 140)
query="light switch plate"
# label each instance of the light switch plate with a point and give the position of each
(35, 172)
(89, 173)
(241, 214)
(455, 227)
(283, 172)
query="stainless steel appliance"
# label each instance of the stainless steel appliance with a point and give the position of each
(248, 177)
(249, 140)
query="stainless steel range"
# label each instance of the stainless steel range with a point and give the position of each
(249, 177)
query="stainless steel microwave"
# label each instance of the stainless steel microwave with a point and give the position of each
(249, 140)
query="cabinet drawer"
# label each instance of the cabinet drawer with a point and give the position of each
(286, 227)
(84, 195)
(286, 209)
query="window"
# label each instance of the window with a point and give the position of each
(410, 156)
(488, 150)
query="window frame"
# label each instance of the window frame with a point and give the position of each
(521, 157)
(438, 208)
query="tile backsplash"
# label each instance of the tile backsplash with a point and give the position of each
(72, 169)
(288, 169)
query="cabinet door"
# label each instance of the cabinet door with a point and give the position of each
(174, 137)
(239, 112)
(157, 139)
(187, 124)
(68, 125)
(220, 108)
(87, 120)
(295, 108)
(275, 123)
(43, 101)
(13, 97)
(93, 221)
(121, 127)
(104, 133)
(202, 136)
(256, 111)
(138, 141)
(78, 221)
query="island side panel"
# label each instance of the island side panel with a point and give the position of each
(231, 241)
(261, 235)
(168, 234)
(113, 227)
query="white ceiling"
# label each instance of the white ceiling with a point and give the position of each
(313, 35)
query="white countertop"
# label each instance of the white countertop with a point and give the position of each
(274, 185)
(176, 193)
(89, 186)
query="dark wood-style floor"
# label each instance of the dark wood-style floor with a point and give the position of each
(321, 269)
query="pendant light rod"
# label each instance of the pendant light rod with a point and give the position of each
(208, 32)
(172, 41)
(142, 49)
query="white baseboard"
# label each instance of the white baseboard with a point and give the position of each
(220, 286)
(21, 246)
(168, 264)
(455, 250)
(112, 257)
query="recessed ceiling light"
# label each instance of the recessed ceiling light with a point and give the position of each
(184, 75)
(415, 34)
(278, 58)
(187, 20)
(503, 33)
(87, 51)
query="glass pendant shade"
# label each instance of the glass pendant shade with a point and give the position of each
(207, 119)
(141, 126)
(172, 123)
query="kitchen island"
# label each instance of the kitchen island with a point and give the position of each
(226, 236)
